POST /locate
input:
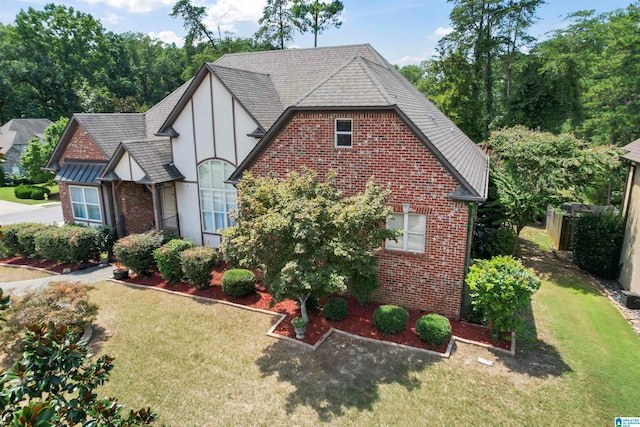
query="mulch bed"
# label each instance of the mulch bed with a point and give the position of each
(359, 321)
(53, 266)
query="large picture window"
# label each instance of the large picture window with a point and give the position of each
(85, 203)
(413, 229)
(217, 199)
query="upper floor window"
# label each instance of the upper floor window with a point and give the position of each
(343, 133)
(413, 228)
(217, 199)
(85, 204)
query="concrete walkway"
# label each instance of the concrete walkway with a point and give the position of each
(88, 275)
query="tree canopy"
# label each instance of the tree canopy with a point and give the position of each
(316, 16)
(307, 240)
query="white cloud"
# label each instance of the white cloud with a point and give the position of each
(409, 60)
(111, 18)
(225, 13)
(167, 37)
(441, 32)
(135, 6)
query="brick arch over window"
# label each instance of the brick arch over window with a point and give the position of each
(217, 199)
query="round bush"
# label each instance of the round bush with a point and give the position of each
(168, 259)
(22, 191)
(37, 193)
(335, 309)
(136, 251)
(197, 263)
(390, 319)
(433, 329)
(238, 282)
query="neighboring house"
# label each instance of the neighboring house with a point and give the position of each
(337, 108)
(630, 256)
(14, 139)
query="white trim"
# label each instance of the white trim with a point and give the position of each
(404, 239)
(337, 132)
(229, 196)
(84, 204)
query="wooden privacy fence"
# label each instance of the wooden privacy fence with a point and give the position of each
(561, 222)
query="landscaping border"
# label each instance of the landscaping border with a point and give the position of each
(44, 270)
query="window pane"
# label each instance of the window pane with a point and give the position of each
(94, 212)
(207, 221)
(206, 200)
(417, 223)
(415, 242)
(390, 244)
(218, 202)
(343, 125)
(91, 195)
(204, 175)
(220, 221)
(396, 222)
(76, 194)
(231, 201)
(78, 210)
(217, 174)
(343, 140)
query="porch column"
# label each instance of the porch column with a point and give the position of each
(157, 215)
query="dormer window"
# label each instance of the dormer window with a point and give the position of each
(343, 133)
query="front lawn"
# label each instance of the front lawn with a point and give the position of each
(201, 363)
(6, 193)
(12, 274)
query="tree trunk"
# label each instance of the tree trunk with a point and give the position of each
(303, 306)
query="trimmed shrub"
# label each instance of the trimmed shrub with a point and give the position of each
(22, 191)
(68, 244)
(10, 242)
(390, 319)
(500, 288)
(26, 238)
(168, 259)
(238, 282)
(433, 329)
(335, 309)
(37, 193)
(135, 251)
(597, 243)
(197, 263)
(363, 281)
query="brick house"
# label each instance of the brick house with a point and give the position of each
(338, 108)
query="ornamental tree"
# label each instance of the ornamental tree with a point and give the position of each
(54, 384)
(307, 240)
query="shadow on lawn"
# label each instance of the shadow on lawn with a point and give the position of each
(342, 373)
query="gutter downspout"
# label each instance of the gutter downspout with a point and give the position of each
(472, 208)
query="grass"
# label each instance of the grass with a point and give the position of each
(210, 364)
(6, 193)
(12, 274)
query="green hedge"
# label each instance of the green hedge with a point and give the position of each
(597, 243)
(9, 238)
(136, 251)
(238, 282)
(390, 319)
(68, 244)
(168, 259)
(335, 308)
(434, 329)
(197, 263)
(35, 192)
(26, 238)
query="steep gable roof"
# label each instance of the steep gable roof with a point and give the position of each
(153, 156)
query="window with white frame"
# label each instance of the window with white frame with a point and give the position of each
(413, 227)
(343, 133)
(217, 199)
(85, 204)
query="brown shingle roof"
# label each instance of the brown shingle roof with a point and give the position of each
(633, 151)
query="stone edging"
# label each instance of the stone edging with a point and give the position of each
(30, 267)
(271, 332)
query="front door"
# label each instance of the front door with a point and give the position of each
(169, 210)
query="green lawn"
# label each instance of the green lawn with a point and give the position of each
(207, 364)
(6, 193)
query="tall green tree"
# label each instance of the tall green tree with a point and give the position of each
(276, 25)
(316, 16)
(305, 238)
(193, 21)
(37, 153)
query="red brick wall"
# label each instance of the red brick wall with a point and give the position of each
(81, 147)
(383, 147)
(137, 206)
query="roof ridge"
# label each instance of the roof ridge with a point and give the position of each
(213, 64)
(279, 51)
(385, 94)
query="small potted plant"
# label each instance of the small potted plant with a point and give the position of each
(300, 326)
(120, 272)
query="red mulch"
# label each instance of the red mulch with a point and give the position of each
(359, 322)
(56, 267)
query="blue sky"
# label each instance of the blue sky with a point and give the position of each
(403, 31)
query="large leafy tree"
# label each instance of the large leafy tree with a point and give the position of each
(316, 16)
(531, 169)
(193, 18)
(276, 25)
(306, 238)
(37, 153)
(55, 382)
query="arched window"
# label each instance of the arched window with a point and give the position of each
(217, 199)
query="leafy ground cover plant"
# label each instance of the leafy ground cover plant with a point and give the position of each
(500, 289)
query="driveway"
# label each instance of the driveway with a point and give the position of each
(46, 213)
